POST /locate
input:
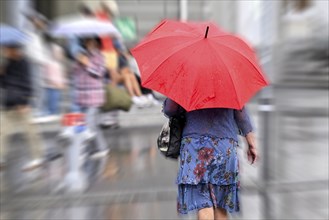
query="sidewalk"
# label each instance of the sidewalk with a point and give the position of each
(134, 118)
(136, 182)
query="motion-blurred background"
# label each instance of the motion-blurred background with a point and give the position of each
(135, 182)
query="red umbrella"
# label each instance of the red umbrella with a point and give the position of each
(198, 65)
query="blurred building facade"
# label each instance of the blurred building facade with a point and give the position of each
(248, 18)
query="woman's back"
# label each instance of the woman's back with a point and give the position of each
(217, 122)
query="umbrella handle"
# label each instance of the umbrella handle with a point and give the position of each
(206, 35)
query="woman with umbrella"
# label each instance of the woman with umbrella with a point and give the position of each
(89, 69)
(209, 167)
(208, 75)
(89, 72)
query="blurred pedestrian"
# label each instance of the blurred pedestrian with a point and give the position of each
(89, 73)
(74, 45)
(55, 80)
(148, 93)
(107, 12)
(208, 176)
(127, 77)
(104, 13)
(17, 84)
(36, 51)
(75, 50)
(109, 8)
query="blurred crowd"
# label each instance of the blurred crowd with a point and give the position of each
(42, 75)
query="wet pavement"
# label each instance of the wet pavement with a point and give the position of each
(136, 182)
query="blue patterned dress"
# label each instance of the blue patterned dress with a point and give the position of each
(208, 175)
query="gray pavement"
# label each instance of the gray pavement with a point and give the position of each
(136, 182)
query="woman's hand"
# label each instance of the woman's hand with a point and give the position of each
(23, 109)
(83, 59)
(252, 151)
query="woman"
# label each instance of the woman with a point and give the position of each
(89, 73)
(54, 77)
(16, 80)
(127, 77)
(208, 179)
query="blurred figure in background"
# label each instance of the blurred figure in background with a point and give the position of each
(89, 73)
(109, 8)
(74, 51)
(54, 77)
(16, 81)
(36, 51)
(148, 93)
(127, 77)
(299, 19)
(114, 50)
(107, 12)
(74, 44)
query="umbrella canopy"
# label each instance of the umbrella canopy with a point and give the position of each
(10, 35)
(84, 27)
(199, 65)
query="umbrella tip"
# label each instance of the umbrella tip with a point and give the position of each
(206, 35)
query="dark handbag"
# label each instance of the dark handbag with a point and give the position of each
(169, 140)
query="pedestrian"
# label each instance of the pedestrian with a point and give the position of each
(18, 92)
(106, 12)
(210, 91)
(208, 176)
(74, 46)
(89, 72)
(36, 51)
(74, 51)
(148, 93)
(109, 8)
(54, 77)
(127, 77)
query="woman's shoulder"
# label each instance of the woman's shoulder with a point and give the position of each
(211, 114)
(212, 110)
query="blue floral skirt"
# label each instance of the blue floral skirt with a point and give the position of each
(208, 174)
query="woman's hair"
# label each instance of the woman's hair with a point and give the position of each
(96, 38)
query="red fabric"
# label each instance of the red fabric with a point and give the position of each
(73, 119)
(106, 41)
(220, 71)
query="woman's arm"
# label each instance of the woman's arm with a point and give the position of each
(252, 150)
(243, 122)
(171, 108)
(245, 129)
(97, 65)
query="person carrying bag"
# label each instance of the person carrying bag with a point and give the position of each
(169, 139)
